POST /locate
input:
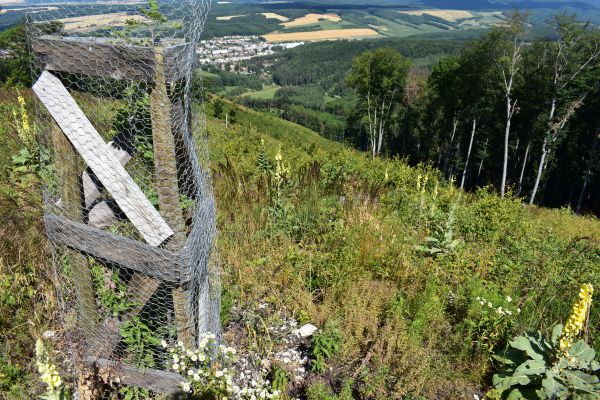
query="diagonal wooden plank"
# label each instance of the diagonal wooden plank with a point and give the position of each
(91, 191)
(88, 142)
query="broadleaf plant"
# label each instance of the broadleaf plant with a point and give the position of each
(535, 368)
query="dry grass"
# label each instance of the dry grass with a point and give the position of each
(331, 34)
(448, 15)
(309, 19)
(275, 16)
(92, 22)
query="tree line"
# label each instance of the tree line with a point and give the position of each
(518, 113)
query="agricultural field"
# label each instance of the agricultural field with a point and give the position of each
(91, 23)
(310, 19)
(328, 34)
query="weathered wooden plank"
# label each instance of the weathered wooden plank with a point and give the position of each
(68, 176)
(167, 186)
(91, 190)
(178, 60)
(118, 373)
(103, 58)
(94, 58)
(103, 163)
(155, 262)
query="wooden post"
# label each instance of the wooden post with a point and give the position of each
(167, 186)
(68, 169)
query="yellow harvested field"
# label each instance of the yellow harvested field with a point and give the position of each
(448, 15)
(92, 22)
(331, 34)
(275, 16)
(312, 19)
(228, 17)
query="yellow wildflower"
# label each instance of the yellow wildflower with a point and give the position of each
(578, 317)
(24, 129)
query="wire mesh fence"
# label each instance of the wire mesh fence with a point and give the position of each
(128, 200)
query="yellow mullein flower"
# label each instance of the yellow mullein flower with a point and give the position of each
(578, 317)
(24, 129)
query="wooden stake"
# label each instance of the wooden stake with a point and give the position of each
(167, 185)
(68, 168)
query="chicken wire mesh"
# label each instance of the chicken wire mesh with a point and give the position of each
(128, 201)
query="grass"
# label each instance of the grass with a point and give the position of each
(267, 93)
(336, 245)
(351, 226)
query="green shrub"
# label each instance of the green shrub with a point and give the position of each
(324, 344)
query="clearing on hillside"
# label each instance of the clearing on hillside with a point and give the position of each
(330, 34)
(269, 15)
(228, 17)
(309, 19)
(448, 15)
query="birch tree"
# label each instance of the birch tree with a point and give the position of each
(379, 79)
(574, 66)
(509, 43)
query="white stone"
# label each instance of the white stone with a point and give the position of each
(306, 330)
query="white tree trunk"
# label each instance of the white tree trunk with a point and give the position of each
(482, 160)
(509, 112)
(523, 169)
(464, 174)
(449, 149)
(540, 171)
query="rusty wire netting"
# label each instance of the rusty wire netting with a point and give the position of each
(129, 207)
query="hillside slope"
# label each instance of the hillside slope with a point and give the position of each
(336, 241)
(313, 230)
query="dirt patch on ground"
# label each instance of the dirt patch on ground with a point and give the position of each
(309, 19)
(448, 15)
(331, 34)
(90, 23)
(275, 16)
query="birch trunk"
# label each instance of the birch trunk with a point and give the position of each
(540, 171)
(482, 159)
(543, 156)
(449, 148)
(523, 169)
(464, 174)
